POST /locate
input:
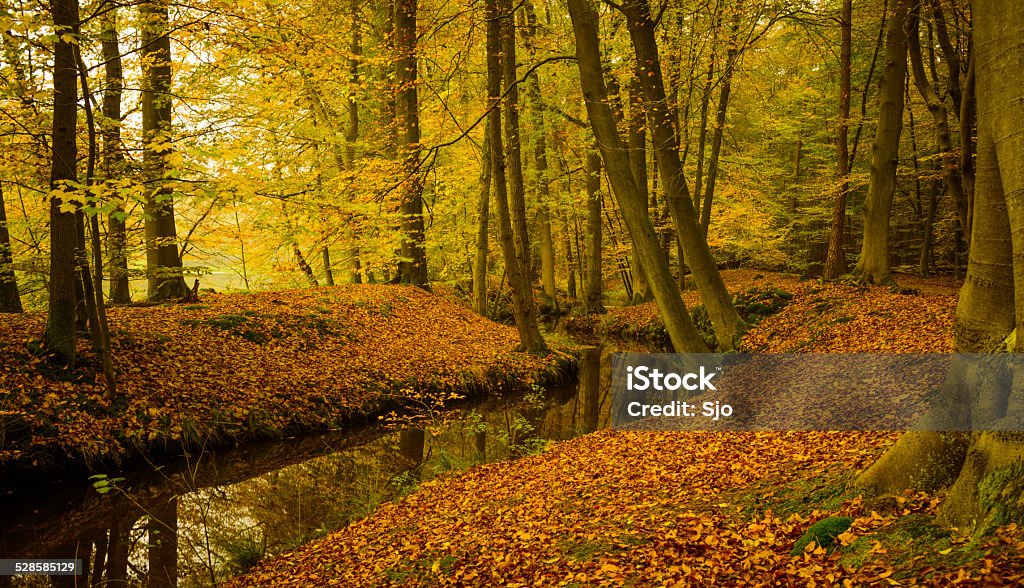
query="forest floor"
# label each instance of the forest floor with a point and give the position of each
(617, 508)
(237, 367)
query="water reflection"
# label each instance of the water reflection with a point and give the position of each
(198, 520)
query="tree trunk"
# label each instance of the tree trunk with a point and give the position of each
(99, 329)
(925, 255)
(725, 91)
(10, 301)
(60, 322)
(412, 268)
(940, 116)
(638, 163)
(873, 265)
(728, 325)
(991, 305)
(594, 300)
(702, 138)
(540, 154)
(513, 143)
(163, 263)
(325, 253)
(304, 266)
(683, 334)
(113, 158)
(522, 296)
(482, 215)
(352, 132)
(835, 262)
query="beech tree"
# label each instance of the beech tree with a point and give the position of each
(10, 300)
(163, 262)
(652, 258)
(60, 320)
(835, 263)
(499, 26)
(873, 264)
(727, 323)
(990, 311)
(114, 163)
(412, 268)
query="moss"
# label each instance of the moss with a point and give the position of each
(823, 533)
(586, 550)
(1001, 495)
(825, 493)
(701, 320)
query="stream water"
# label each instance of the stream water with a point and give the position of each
(201, 518)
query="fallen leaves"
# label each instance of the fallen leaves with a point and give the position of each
(676, 508)
(251, 365)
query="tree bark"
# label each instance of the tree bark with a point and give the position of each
(835, 262)
(522, 297)
(637, 141)
(60, 322)
(683, 334)
(163, 262)
(728, 325)
(412, 268)
(325, 254)
(304, 266)
(540, 156)
(990, 305)
(10, 301)
(594, 299)
(352, 132)
(513, 142)
(940, 116)
(113, 158)
(873, 265)
(482, 245)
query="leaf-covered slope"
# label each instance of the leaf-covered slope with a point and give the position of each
(249, 365)
(678, 508)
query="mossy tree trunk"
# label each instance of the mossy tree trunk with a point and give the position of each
(982, 469)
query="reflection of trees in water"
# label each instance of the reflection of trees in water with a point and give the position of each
(201, 522)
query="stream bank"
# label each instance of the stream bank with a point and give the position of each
(238, 368)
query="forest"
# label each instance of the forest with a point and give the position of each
(303, 293)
